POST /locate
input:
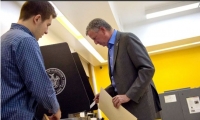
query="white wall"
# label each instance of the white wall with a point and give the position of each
(163, 31)
(10, 11)
(9, 14)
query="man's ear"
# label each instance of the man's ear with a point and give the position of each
(37, 18)
(103, 29)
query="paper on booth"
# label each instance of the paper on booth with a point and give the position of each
(106, 106)
(193, 104)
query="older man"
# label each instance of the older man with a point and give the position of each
(130, 70)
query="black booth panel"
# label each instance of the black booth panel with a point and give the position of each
(84, 79)
(74, 96)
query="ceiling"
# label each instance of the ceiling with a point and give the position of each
(120, 14)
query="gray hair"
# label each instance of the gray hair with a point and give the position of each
(96, 23)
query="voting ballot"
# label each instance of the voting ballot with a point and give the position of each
(106, 106)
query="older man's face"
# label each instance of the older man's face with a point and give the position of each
(99, 37)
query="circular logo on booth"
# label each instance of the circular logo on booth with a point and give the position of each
(58, 79)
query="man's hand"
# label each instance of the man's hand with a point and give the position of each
(119, 99)
(55, 116)
(96, 98)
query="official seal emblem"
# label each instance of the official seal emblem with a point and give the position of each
(57, 78)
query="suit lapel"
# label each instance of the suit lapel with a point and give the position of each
(116, 46)
(109, 63)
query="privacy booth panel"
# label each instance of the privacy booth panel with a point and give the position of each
(84, 79)
(68, 83)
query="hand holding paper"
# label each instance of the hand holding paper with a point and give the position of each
(106, 106)
(119, 99)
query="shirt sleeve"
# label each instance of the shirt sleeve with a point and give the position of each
(31, 67)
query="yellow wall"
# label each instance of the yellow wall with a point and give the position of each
(178, 69)
(102, 80)
(174, 70)
(102, 77)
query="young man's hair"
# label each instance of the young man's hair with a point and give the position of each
(96, 23)
(31, 8)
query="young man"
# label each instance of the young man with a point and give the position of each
(130, 70)
(24, 81)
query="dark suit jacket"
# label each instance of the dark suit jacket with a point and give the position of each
(133, 72)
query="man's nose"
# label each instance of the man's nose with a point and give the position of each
(46, 32)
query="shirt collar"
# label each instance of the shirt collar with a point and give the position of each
(21, 27)
(111, 42)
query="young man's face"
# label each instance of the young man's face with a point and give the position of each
(98, 36)
(42, 27)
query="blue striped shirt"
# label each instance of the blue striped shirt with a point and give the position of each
(24, 81)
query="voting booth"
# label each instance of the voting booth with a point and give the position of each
(69, 79)
(181, 104)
